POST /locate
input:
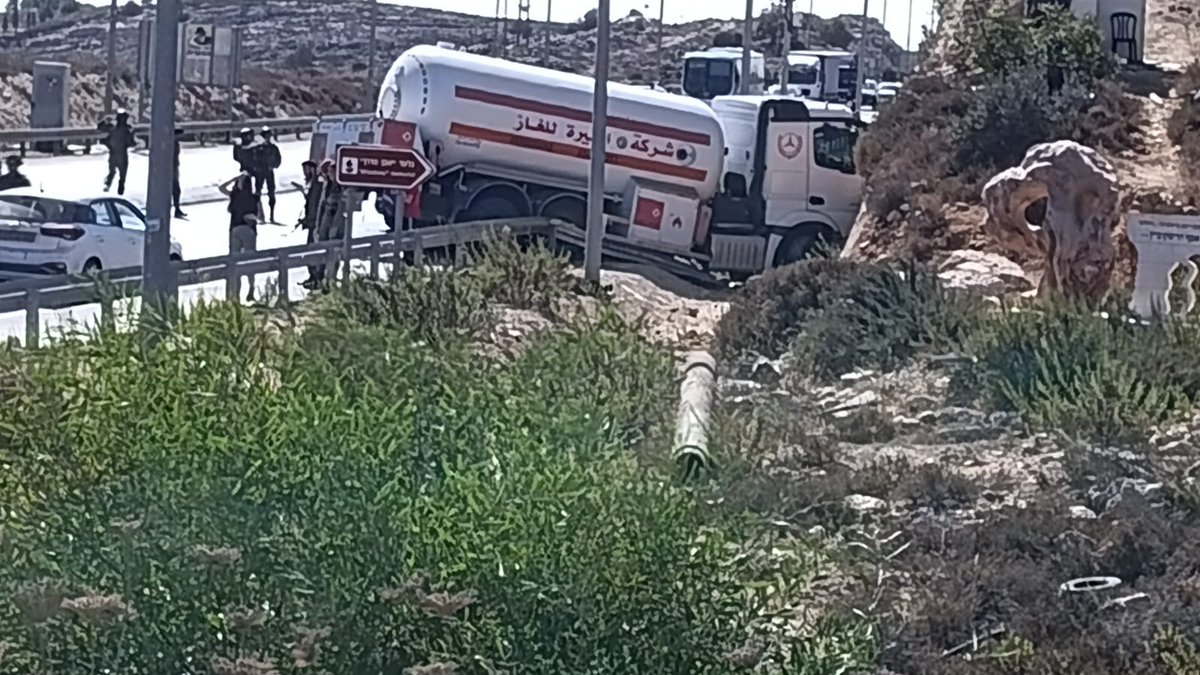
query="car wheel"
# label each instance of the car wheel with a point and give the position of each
(92, 266)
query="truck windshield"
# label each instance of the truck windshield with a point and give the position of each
(802, 73)
(706, 78)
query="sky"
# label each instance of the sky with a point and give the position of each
(687, 10)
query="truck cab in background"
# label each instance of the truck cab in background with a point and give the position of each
(820, 75)
(790, 181)
(717, 71)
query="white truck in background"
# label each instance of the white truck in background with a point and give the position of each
(823, 75)
(717, 71)
(747, 183)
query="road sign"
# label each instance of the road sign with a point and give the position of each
(378, 167)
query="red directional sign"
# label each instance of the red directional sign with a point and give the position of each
(378, 167)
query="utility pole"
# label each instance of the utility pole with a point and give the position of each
(546, 43)
(368, 96)
(861, 66)
(808, 25)
(883, 36)
(496, 30)
(158, 275)
(747, 41)
(112, 58)
(504, 33)
(662, 16)
(786, 47)
(908, 33)
(592, 252)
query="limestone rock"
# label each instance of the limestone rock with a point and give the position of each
(985, 273)
(1072, 190)
(865, 503)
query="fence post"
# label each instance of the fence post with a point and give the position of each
(282, 280)
(418, 249)
(458, 248)
(108, 317)
(33, 319)
(373, 258)
(233, 281)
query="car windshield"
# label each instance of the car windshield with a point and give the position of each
(42, 209)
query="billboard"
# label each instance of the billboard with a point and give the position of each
(208, 54)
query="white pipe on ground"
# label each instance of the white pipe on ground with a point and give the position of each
(695, 410)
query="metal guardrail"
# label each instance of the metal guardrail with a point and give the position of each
(62, 291)
(24, 137)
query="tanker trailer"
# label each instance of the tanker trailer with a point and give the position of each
(511, 140)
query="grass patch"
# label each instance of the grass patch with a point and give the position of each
(1101, 377)
(835, 316)
(369, 496)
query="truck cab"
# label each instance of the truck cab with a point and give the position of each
(789, 183)
(821, 75)
(717, 71)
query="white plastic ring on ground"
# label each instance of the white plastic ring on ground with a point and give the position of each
(1089, 584)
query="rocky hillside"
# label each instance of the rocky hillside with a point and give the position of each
(305, 56)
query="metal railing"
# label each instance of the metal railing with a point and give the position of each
(63, 291)
(86, 135)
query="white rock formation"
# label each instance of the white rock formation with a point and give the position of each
(1075, 237)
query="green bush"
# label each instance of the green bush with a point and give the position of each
(1100, 377)
(347, 500)
(1000, 42)
(880, 318)
(1014, 111)
(433, 302)
(771, 309)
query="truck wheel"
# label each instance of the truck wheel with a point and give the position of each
(801, 244)
(489, 207)
(795, 247)
(573, 211)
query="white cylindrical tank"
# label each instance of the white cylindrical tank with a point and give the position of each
(477, 110)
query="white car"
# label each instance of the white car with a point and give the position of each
(41, 235)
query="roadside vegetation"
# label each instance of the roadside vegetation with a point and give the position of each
(969, 460)
(1183, 129)
(1005, 83)
(363, 488)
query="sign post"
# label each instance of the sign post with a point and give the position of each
(384, 168)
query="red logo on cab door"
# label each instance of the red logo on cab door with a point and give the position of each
(398, 134)
(790, 145)
(648, 213)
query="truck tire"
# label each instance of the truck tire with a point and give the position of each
(802, 243)
(570, 209)
(494, 204)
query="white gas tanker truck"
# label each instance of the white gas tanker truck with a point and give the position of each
(748, 183)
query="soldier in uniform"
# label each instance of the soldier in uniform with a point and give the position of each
(119, 140)
(268, 161)
(176, 192)
(13, 178)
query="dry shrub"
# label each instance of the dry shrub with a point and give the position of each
(1113, 121)
(772, 309)
(1005, 573)
(908, 148)
(1183, 129)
